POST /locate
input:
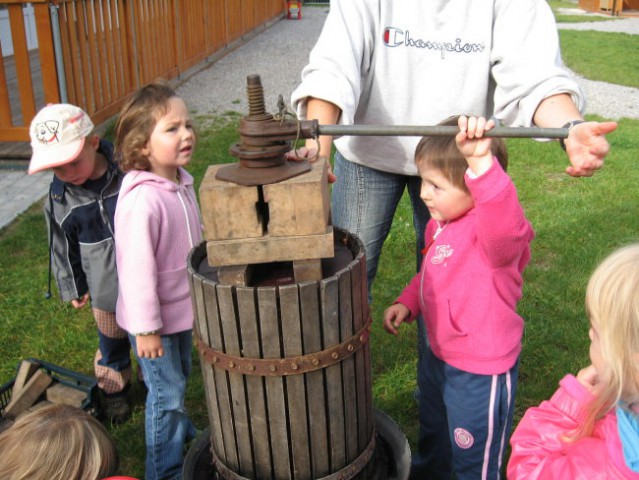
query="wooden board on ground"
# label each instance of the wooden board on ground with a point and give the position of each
(65, 395)
(5, 423)
(25, 372)
(27, 396)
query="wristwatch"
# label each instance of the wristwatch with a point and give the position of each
(569, 125)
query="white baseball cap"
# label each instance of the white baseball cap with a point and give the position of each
(57, 135)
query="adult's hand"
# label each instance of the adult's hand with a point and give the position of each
(310, 154)
(587, 147)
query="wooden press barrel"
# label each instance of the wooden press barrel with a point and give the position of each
(286, 370)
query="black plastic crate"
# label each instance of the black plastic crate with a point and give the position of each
(78, 381)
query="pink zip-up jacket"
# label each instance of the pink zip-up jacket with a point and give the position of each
(539, 453)
(471, 279)
(157, 222)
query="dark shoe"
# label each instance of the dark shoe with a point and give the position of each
(116, 408)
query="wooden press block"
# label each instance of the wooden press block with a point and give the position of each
(237, 275)
(63, 394)
(271, 249)
(306, 270)
(229, 210)
(299, 205)
(25, 372)
(27, 396)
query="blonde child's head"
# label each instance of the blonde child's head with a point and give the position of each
(57, 442)
(612, 303)
(136, 122)
(441, 153)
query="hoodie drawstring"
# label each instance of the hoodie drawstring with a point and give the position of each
(186, 215)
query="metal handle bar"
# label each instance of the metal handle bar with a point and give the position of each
(437, 131)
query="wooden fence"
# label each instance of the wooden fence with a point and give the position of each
(612, 7)
(97, 52)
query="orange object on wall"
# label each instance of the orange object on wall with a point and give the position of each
(294, 9)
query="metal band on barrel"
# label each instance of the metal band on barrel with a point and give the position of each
(284, 366)
(348, 472)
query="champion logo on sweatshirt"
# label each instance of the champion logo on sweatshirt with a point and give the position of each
(396, 37)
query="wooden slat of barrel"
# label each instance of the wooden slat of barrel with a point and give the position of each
(348, 369)
(276, 401)
(205, 296)
(335, 400)
(225, 303)
(363, 301)
(255, 387)
(240, 417)
(295, 387)
(309, 307)
(363, 430)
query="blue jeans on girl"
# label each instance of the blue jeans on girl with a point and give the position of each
(167, 424)
(363, 202)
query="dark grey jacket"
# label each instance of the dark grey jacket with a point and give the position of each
(81, 246)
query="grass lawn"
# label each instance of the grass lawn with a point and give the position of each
(577, 223)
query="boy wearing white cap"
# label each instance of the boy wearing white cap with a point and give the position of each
(79, 214)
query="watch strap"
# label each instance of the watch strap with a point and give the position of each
(569, 125)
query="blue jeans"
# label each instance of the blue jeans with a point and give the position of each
(464, 421)
(364, 201)
(167, 424)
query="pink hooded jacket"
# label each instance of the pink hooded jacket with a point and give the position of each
(538, 451)
(157, 223)
(471, 279)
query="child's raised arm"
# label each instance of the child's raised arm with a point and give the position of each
(473, 145)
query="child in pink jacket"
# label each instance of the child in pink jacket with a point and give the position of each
(157, 223)
(589, 428)
(477, 246)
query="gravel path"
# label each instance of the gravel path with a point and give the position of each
(279, 53)
(606, 99)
